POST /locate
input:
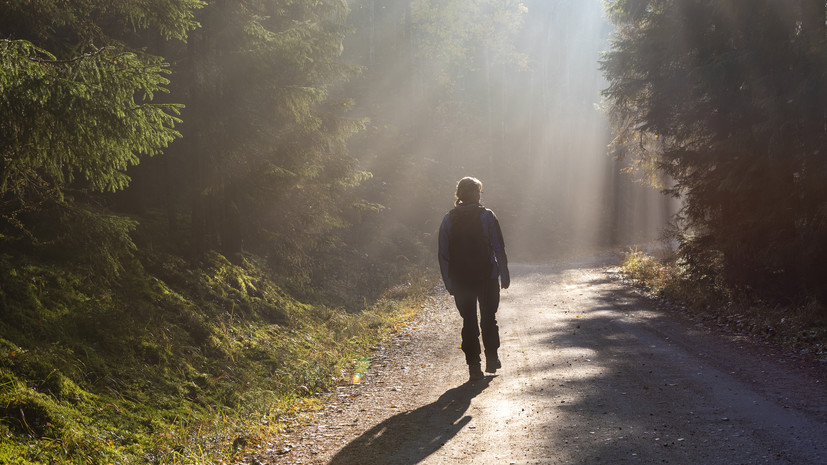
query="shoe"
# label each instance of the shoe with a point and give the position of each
(475, 372)
(492, 364)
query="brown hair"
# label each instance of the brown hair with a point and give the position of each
(468, 190)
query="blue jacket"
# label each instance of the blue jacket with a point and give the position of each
(491, 231)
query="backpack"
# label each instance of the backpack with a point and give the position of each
(468, 248)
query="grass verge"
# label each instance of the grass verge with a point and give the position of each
(173, 365)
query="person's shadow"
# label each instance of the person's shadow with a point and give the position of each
(410, 437)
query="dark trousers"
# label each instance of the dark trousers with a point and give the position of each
(487, 293)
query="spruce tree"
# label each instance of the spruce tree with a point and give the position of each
(76, 110)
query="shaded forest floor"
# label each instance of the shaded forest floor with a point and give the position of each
(798, 327)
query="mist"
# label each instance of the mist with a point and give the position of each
(523, 115)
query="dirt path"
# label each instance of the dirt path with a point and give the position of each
(592, 373)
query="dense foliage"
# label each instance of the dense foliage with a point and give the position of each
(77, 109)
(727, 99)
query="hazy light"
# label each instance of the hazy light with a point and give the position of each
(534, 135)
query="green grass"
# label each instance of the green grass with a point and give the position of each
(174, 364)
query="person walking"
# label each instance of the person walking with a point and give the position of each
(473, 263)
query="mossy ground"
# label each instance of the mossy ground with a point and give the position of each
(173, 363)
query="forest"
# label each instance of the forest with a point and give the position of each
(210, 209)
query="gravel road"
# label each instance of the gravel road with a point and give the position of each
(592, 373)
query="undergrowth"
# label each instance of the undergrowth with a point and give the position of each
(174, 364)
(799, 326)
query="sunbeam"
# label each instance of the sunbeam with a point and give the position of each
(515, 102)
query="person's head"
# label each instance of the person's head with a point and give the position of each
(468, 190)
